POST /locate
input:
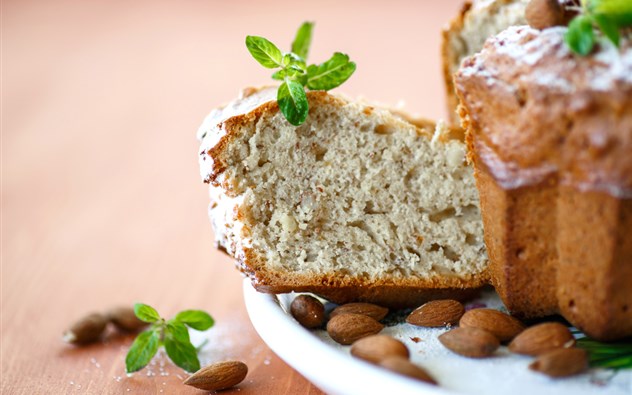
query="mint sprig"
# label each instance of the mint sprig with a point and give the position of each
(173, 334)
(609, 16)
(296, 75)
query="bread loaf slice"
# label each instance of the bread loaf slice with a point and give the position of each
(356, 204)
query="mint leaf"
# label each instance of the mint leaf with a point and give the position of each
(293, 101)
(293, 61)
(331, 73)
(264, 52)
(281, 74)
(303, 39)
(608, 27)
(196, 319)
(292, 73)
(296, 75)
(142, 350)
(178, 331)
(182, 354)
(580, 36)
(146, 313)
(618, 11)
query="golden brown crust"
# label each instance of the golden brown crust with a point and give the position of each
(393, 292)
(554, 173)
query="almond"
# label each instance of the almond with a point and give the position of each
(347, 328)
(541, 338)
(124, 319)
(308, 311)
(87, 330)
(376, 348)
(374, 311)
(501, 325)
(541, 14)
(561, 362)
(218, 376)
(437, 313)
(470, 342)
(404, 367)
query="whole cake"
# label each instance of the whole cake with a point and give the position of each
(550, 135)
(356, 204)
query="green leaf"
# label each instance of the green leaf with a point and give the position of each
(146, 313)
(580, 36)
(293, 61)
(264, 52)
(142, 351)
(177, 330)
(293, 101)
(196, 319)
(182, 354)
(301, 43)
(281, 74)
(608, 27)
(618, 11)
(292, 73)
(331, 73)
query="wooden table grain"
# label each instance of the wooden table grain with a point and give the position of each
(102, 203)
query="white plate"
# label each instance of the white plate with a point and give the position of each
(330, 367)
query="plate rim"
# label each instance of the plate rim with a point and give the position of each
(275, 326)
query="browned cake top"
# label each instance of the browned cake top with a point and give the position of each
(539, 111)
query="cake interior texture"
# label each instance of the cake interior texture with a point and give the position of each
(353, 197)
(466, 35)
(482, 20)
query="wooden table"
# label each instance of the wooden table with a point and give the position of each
(102, 203)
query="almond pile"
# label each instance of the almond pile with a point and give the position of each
(347, 323)
(358, 325)
(479, 334)
(481, 331)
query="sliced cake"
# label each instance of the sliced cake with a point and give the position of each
(356, 204)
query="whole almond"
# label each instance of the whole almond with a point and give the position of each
(470, 342)
(437, 313)
(87, 330)
(404, 367)
(124, 319)
(501, 325)
(541, 14)
(347, 328)
(308, 311)
(372, 310)
(375, 348)
(561, 362)
(218, 376)
(541, 338)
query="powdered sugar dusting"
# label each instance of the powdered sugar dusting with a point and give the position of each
(617, 64)
(551, 63)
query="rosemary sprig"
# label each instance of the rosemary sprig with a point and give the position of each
(617, 355)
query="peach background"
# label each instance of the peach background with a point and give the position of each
(102, 203)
